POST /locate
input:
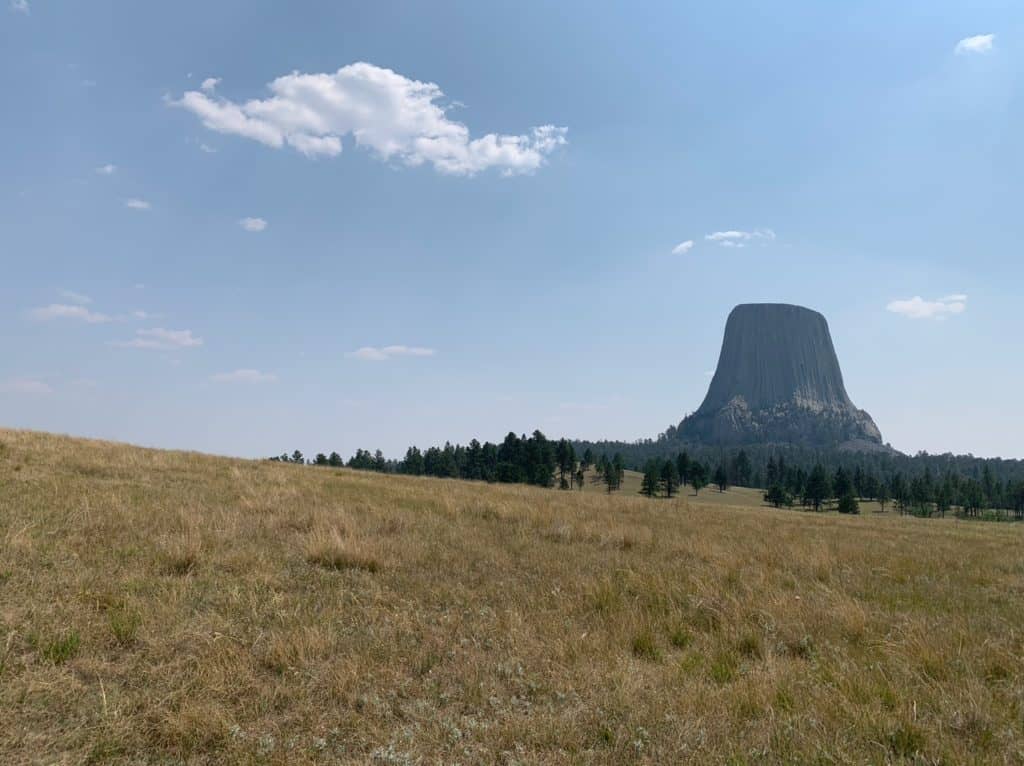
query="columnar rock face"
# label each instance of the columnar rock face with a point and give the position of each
(778, 381)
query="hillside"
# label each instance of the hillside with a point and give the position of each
(168, 607)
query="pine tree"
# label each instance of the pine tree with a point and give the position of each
(721, 478)
(944, 497)
(817, 490)
(778, 496)
(698, 477)
(683, 467)
(741, 469)
(898, 492)
(651, 481)
(474, 455)
(669, 478)
(848, 503)
(882, 494)
(413, 463)
(841, 484)
(611, 477)
(988, 486)
(566, 460)
(619, 464)
(540, 460)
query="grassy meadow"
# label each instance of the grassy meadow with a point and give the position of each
(744, 497)
(170, 607)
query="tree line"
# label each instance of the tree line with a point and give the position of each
(925, 494)
(914, 482)
(533, 459)
(923, 485)
(883, 461)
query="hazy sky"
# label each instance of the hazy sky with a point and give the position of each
(246, 227)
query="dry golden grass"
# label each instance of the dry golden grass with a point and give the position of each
(165, 607)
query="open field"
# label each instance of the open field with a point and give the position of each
(167, 607)
(741, 496)
(744, 497)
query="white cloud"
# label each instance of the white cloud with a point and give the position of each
(374, 354)
(383, 111)
(65, 311)
(253, 224)
(683, 247)
(207, 149)
(106, 170)
(976, 44)
(74, 297)
(160, 339)
(137, 204)
(25, 386)
(243, 376)
(733, 238)
(209, 84)
(76, 309)
(20, 6)
(918, 308)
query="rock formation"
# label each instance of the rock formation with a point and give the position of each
(778, 381)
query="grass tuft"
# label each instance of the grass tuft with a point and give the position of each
(330, 550)
(750, 646)
(680, 638)
(181, 556)
(784, 701)
(723, 667)
(906, 740)
(124, 624)
(645, 647)
(62, 648)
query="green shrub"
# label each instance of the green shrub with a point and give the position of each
(848, 504)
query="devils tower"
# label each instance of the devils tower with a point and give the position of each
(778, 381)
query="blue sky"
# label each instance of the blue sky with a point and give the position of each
(250, 227)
